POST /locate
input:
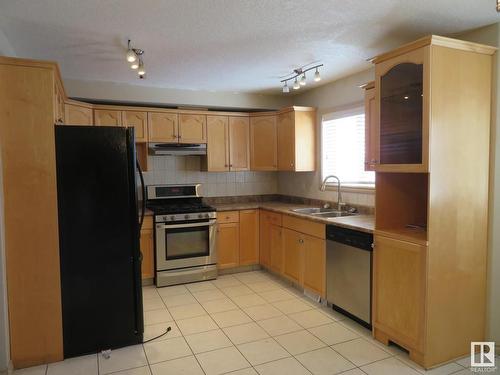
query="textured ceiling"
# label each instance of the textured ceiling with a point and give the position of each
(225, 45)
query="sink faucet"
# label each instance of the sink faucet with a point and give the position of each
(339, 193)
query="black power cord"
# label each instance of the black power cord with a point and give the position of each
(157, 337)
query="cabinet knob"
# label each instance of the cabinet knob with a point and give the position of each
(179, 137)
(374, 161)
(230, 165)
(225, 165)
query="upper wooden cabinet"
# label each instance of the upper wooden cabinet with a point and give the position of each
(402, 122)
(239, 143)
(192, 128)
(297, 139)
(163, 127)
(263, 143)
(139, 121)
(217, 159)
(371, 139)
(227, 144)
(107, 117)
(76, 114)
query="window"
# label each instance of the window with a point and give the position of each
(343, 147)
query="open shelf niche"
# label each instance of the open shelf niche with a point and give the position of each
(401, 203)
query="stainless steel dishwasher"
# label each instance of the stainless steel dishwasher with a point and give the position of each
(349, 272)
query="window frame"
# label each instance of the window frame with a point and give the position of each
(352, 110)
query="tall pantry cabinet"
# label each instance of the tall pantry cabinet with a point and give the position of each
(431, 157)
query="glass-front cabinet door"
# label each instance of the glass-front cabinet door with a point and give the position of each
(403, 113)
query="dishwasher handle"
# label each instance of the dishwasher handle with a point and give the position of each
(354, 238)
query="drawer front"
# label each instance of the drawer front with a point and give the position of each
(304, 226)
(148, 222)
(228, 217)
(273, 217)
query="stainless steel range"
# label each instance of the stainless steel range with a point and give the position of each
(185, 234)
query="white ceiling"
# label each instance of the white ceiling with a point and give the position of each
(225, 45)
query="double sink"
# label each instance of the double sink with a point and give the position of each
(322, 212)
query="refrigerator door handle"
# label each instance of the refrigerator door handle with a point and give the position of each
(143, 188)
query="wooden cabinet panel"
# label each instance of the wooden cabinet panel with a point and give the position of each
(228, 241)
(371, 136)
(305, 226)
(286, 141)
(58, 104)
(217, 144)
(292, 265)
(265, 238)
(228, 217)
(163, 127)
(263, 143)
(249, 237)
(399, 289)
(107, 117)
(314, 267)
(147, 245)
(402, 92)
(239, 143)
(276, 249)
(192, 128)
(77, 115)
(139, 121)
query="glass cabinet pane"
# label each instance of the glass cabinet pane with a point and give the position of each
(401, 94)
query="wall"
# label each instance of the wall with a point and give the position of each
(339, 94)
(121, 92)
(186, 169)
(491, 35)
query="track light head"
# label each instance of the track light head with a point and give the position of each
(286, 89)
(303, 81)
(317, 77)
(296, 84)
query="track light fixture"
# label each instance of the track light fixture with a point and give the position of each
(134, 57)
(299, 77)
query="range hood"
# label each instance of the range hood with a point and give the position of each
(177, 148)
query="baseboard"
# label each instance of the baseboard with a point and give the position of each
(250, 267)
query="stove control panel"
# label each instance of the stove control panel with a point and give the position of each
(185, 217)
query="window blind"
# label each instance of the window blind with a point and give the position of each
(343, 147)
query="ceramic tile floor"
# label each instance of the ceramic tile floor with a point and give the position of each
(246, 323)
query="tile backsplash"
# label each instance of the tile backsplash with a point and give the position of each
(186, 170)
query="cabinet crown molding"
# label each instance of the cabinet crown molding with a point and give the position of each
(435, 40)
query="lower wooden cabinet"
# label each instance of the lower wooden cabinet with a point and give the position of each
(237, 238)
(276, 249)
(305, 260)
(249, 237)
(399, 291)
(267, 219)
(147, 248)
(228, 245)
(292, 265)
(314, 258)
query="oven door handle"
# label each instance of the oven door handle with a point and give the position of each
(173, 226)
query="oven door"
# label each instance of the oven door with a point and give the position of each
(183, 245)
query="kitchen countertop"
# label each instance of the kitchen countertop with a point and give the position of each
(364, 223)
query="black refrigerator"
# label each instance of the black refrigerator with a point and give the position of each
(99, 228)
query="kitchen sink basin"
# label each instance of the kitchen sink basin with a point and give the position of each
(313, 210)
(333, 214)
(322, 212)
